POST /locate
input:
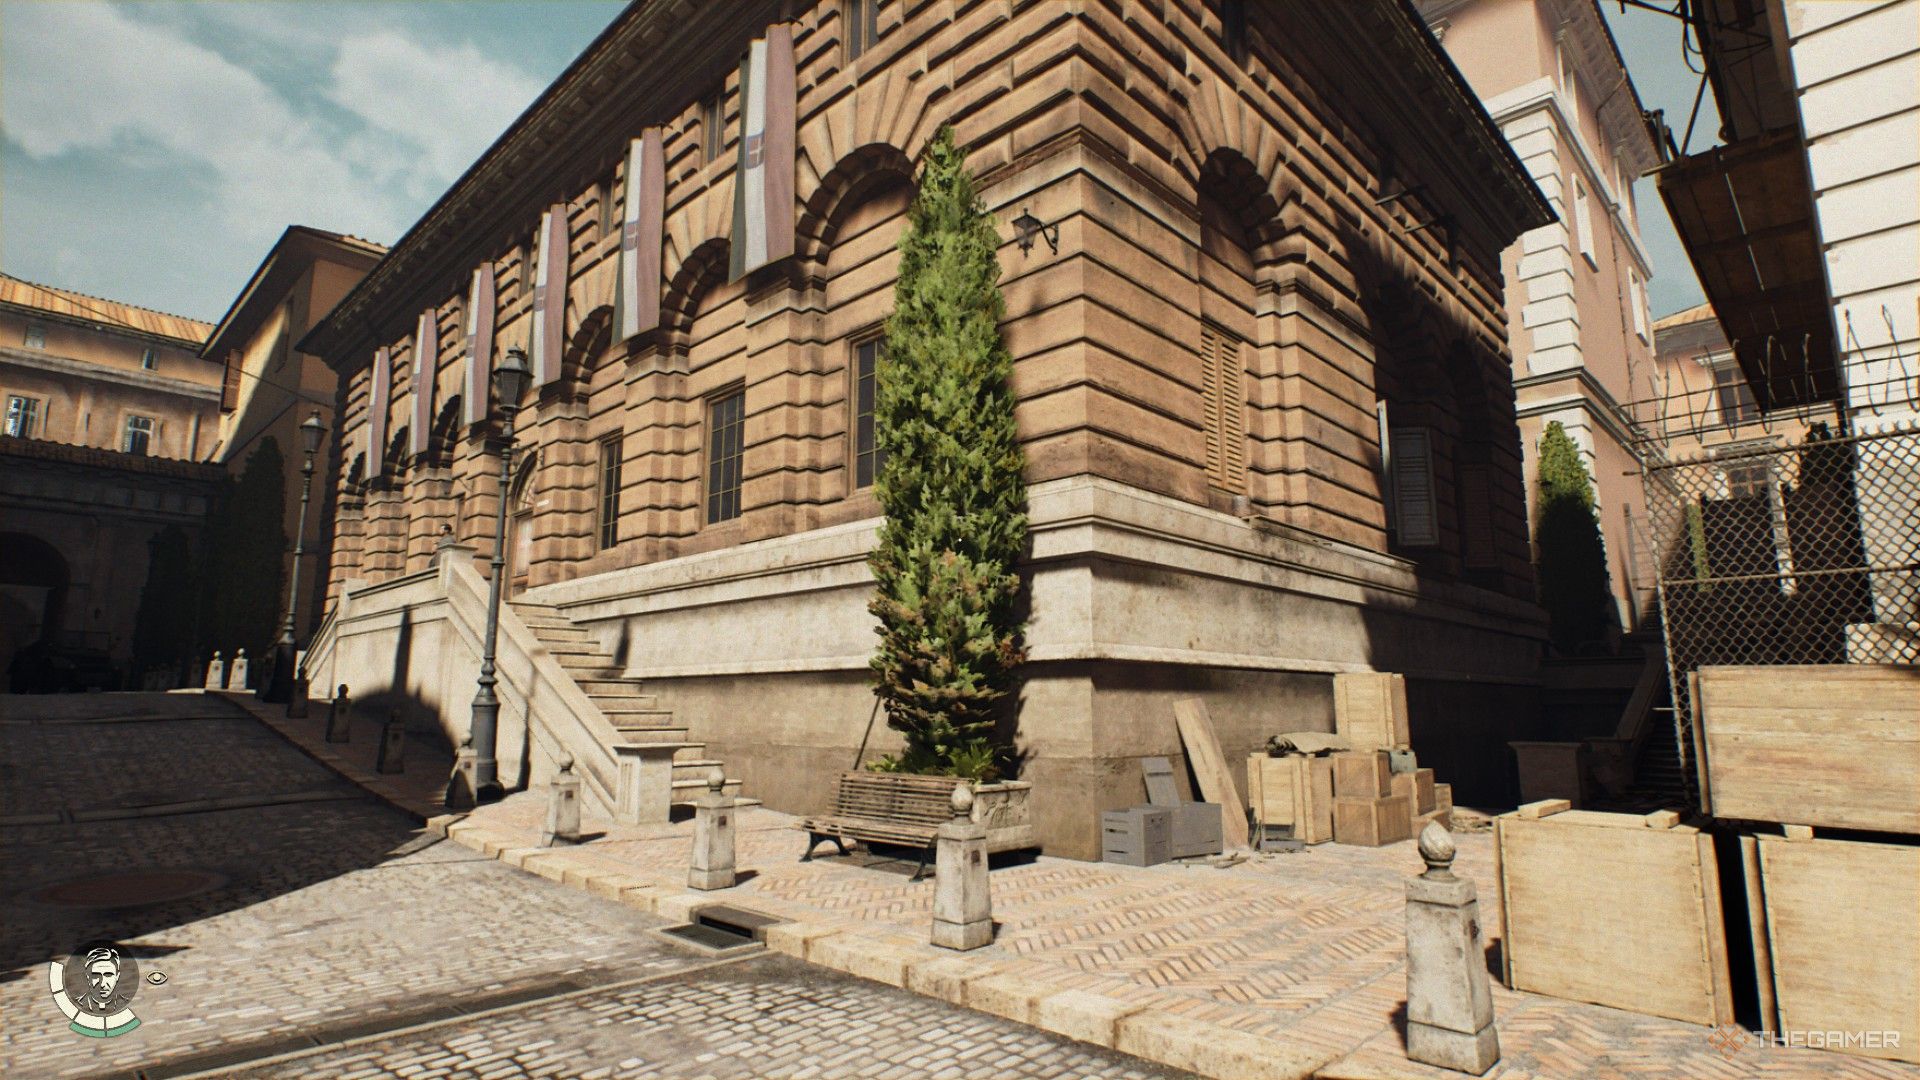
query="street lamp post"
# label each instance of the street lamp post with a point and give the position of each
(483, 785)
(288, 685)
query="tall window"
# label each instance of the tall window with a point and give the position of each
(609, 211)
(36, 336)
(1583, 221)
(862, 27)
(713, 119)
(147, 359)
(1233, 29)
(23, 417)
(867, 454)
(138, 438)
(1737, 404)
(726, 419)
(608, 527)
(1224, 407)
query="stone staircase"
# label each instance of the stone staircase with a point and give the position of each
(633, 712)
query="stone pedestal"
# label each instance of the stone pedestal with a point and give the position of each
(644, 795)
(563, 807)
(237, 674)
(297, 700)
(1449, 1003)
(962, 904)
(216, 674)
(393, 745)
(462, 788)
(713, 825)
(340, 717)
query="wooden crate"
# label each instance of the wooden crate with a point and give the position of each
(1616, 909)
(1139, 836)
(1370, 709)
(1836, 933)
(1827, 745)
(1362, 774)
(1386, 819)
(1417, 786)
(1295, 791)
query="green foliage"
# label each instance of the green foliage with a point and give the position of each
(950, 484)
(163, 624)
(242, 568)
(1570, 557)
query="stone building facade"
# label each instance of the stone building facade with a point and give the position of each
(1581, 334)
(1261, 361)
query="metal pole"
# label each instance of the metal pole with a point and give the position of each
(297, 698)
(486, 706)
(280, 689)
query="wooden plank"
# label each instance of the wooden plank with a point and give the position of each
(1161, 790)
(1713, 930)
(1210, 767)
(1699, 746)
(1544, 808)
(1615, 916)
(1757, 932)
(1843, 928)
(1827, 745)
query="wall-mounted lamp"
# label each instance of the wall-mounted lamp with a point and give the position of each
(1030, 226)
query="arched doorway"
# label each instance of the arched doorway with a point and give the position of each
(33, 592)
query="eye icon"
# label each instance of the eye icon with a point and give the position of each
(157, 978)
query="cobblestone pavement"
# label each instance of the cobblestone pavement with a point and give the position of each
(1306, 948)
(331, 920)
(769, 1017)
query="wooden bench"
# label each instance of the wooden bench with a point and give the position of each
(885, 808)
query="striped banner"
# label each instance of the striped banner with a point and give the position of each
(480, 297)
(549, 297)
(426, 363)
(763, 209)
(636, 300)
(378, 397)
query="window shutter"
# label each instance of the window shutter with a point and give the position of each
(230, 382)
(1223, 408)
(1415, 522)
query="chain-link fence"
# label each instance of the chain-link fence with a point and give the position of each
(1804, 553)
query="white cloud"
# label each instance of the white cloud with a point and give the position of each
(450, 101)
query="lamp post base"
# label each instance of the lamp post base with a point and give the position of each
(297, 700)
(465, 788)
(280, 683)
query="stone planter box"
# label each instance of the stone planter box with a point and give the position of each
(1007, 814)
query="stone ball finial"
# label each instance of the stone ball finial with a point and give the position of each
(343, 690)
(1436, 847)
(962, 801)
(239, 654)
(716, 779)
(216, 656)
(566, 762)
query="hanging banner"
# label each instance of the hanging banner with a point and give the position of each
(636, 299)
(473, 400)
(549, 297)
(763, 210)
(426, 364)
(378, 397)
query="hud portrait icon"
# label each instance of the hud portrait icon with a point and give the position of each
(94, 986)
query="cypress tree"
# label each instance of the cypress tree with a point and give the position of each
(950, 483)
(1570, 559)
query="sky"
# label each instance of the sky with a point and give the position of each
(152, 152)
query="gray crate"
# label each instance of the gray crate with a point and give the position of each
(1196, 829)
(1140, 836)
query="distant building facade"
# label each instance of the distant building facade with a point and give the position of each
(1269, 422)
(108, 409)
(269, 387)
(1550, 74)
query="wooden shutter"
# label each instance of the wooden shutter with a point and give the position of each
(230, 382)
(426, 364)
(1415, 522)
(1475, 507)
(377, 397)
(1223, 408)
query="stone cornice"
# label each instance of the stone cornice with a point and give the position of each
(1591, 397)
(1541, 96)
(90, 457)
(80, 369)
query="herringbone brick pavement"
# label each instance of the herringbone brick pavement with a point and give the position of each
(1306, 947)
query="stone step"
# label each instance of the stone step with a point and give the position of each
(566, 647)
(690, 788)
(552, 634)
(590, 665)
(611, 704)
(694, 767)
(609, 686)
(640, 718)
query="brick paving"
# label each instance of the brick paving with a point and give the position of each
(764, 1018)
(1305, 948)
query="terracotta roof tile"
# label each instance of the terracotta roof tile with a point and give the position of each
(76, 305)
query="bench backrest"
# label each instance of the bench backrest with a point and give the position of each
(918, 800)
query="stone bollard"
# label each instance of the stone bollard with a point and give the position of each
(962, 904)
(237, 675)
(713, 815)
(297, 700)
(563, 807)
(340, 717)
(461, 786)
(1449, 1005)
(393, 744)
(217, 673)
